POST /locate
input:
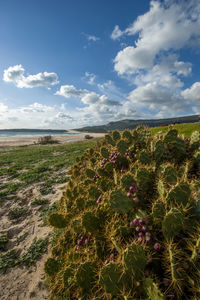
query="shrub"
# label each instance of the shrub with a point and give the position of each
(130, 221)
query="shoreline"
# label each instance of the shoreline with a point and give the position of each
(64, 139)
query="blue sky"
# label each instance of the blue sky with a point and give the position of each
(68, 64)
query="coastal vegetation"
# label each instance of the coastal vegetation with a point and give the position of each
(128, 223)
(116, 198)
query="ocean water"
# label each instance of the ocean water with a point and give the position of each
(5, 133)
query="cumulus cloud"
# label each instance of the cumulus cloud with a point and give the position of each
(16, 75)
(69, 91)
(154, 97)
(117, 33)
(162, 28)
(192, 93)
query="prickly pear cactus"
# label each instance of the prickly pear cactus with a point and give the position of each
(128, 223)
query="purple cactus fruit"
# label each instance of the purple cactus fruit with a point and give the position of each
(146, 221)
(79, 242)
(138, 229)
(131, 189)
(112, 257)
(133, 186)
(157, 246)
(129, 195)
(147, 234)
(136, 200)
(140, 234)
(106, 262)
(135, 221)
(144, 228)
(99, 199)
(148, 239)
(140, 239)
(141, 222)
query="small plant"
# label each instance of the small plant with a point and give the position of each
(46, 140)
(3, 242)
(39, 201)
(17, 213)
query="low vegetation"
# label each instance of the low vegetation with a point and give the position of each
(128, 223)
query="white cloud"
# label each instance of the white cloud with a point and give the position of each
(117, 33)
(92, 38)
(192, 93)
(68, 91)
(90, 78)
(36, 115)
(15, 74)
(154, 97)
(162, 28)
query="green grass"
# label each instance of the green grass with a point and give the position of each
(185, 129)
(20, 167)
(11, 258)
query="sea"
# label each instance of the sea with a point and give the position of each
(30, 133)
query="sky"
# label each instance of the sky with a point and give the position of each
(68, 64)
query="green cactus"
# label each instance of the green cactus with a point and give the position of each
(145, 158)
(91, 222)
(122, 146)
(159, 151)
(57, 220)
(143, 243)
(127, 180)
(135, 260)
(111, 279)
(51, 266)
(120, 202)
(90, 173)
(152, 290)
(173, 223)
(116, 135)
(171, 136)
(158, 211)
(179, 195)
(86, 276)
(127, 136)
(170, 175)
(109, 140)
(105, 152)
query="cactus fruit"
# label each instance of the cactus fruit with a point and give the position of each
(128, 223)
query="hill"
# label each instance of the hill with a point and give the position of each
(132, 124)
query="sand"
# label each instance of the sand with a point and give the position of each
(22, 141)
(21, 282)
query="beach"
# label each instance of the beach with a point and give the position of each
(74, 136)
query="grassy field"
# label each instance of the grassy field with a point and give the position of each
(44, 164)
(185, 129)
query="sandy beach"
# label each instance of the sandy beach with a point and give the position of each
(22, 141)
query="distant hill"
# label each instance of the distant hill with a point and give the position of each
(131, 124)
